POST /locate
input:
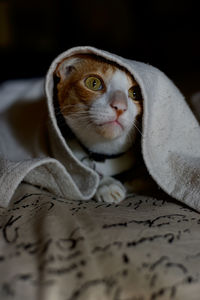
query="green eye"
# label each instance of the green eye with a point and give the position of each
(93, 83)
(135, 93)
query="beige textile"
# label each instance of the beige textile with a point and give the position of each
(55, 249)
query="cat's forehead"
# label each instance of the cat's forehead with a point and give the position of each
(108, 70)
(120, 80)
(90, 65)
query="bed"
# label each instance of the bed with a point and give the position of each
(143, 248)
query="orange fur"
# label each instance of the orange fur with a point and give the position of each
(71, 91)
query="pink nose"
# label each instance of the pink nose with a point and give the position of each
(119, 102)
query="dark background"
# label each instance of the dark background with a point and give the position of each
(164, 33)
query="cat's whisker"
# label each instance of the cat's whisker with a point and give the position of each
(87, 126)
(134, 124)
(82, 118)
(69, 106)
(130, 137)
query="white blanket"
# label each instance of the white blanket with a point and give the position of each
(32, 147)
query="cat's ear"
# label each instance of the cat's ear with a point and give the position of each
(66, 67)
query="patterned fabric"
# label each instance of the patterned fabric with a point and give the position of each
(142, 249)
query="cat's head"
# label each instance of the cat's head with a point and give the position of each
(99, 101)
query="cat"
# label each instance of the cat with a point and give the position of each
(101, 103)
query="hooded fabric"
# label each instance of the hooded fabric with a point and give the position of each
(39, 154)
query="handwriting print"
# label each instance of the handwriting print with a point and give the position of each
(141, 249)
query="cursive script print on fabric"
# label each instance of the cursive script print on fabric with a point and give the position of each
(143, 248)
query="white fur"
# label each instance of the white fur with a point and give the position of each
(85, 126)
(110, 190)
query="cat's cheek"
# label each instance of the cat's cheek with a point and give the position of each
(126, 122)
(128, 118)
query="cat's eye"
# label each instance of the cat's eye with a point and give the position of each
(94, 83)
(135, 93)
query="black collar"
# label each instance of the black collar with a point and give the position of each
(99, 157)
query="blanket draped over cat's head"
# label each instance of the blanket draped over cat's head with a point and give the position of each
(170, 140)
(100, 98)
(35, 150)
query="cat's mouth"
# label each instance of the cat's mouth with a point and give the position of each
(115, 123)
(110, 129)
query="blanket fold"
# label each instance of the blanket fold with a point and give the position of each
(33, 149)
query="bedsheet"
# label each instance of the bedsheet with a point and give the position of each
(56, 249)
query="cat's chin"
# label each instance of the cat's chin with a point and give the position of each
(110, 130)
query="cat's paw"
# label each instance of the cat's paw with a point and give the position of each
(110, 191)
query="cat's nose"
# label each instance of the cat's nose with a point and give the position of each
(119, 102)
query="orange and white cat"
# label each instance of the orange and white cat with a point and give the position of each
(100, 103)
